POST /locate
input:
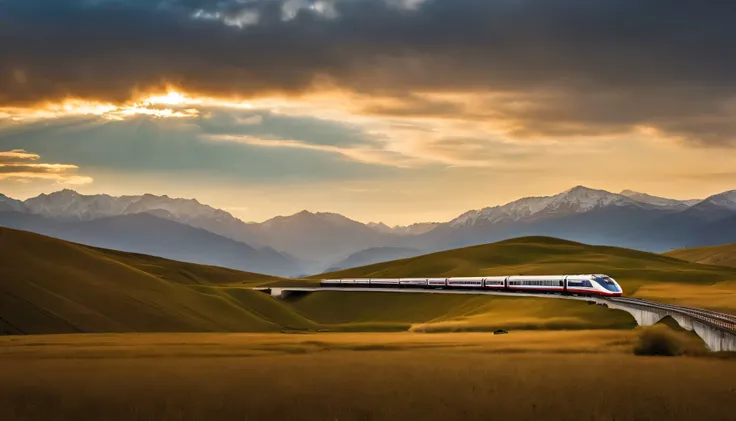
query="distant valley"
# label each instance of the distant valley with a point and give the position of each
(307, 242)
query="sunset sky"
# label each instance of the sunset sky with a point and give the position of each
(398, 111)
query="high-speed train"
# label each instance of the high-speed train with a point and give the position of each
(598, 284)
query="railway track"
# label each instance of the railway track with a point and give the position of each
(715, 318)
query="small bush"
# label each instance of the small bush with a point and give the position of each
(659, 340)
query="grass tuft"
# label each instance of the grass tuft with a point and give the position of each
(659, 340)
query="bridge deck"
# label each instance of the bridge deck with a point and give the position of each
(720, 321)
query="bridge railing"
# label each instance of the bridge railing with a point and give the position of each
(713, 318)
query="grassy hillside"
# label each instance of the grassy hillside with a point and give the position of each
(52, 286)
(641, 274)
(722, 255)
(451, 313)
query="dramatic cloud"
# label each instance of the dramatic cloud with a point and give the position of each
(19, 165)
(16, 155)
(532, 68)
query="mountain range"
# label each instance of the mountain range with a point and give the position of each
(309, 242)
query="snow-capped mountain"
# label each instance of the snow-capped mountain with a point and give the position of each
(576, 200)
(317, 240)
(8, 204)
(181, 210)
(661, 202)
(70, 205)
(725, 200)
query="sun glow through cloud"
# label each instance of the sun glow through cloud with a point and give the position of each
(172, 104)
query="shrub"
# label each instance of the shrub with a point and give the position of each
(659, 340)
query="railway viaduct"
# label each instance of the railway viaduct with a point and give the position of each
(717, 330)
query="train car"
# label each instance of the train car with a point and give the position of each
(582, 285)
(347, 282)
(357, 283)
(538, 283)
(495, 282)
(437, 283)
(329, 283)
(363, 283)
(413, 282)
(599, 284)
(465, 283)
(385, 283)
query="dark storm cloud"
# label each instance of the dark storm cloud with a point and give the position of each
(585, 66)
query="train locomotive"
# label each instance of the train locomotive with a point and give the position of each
(582, 285)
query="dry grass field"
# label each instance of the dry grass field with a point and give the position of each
(562, 375)
(436, 312)
(720, 296)
(721, 255)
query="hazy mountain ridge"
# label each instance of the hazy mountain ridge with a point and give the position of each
(8, 204)
(313, 241)
(413, 229)
(320, 237)
(149, 234)
(374, 255)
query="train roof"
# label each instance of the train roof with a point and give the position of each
(479, 277)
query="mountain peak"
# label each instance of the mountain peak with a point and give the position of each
(303, 212)
(581, 188)
(578, 199)
(10, 204)
(64, 192)
(726, 199)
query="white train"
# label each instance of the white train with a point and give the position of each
(598, 284)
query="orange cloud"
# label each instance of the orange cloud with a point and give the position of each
(14, 166)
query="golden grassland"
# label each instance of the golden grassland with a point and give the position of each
(561, 375)
(720, 296)
(721, 255)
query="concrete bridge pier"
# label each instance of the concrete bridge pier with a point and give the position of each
(715, 339)
(283, 293)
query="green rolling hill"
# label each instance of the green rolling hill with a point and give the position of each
(723, 255)
(53, 286)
